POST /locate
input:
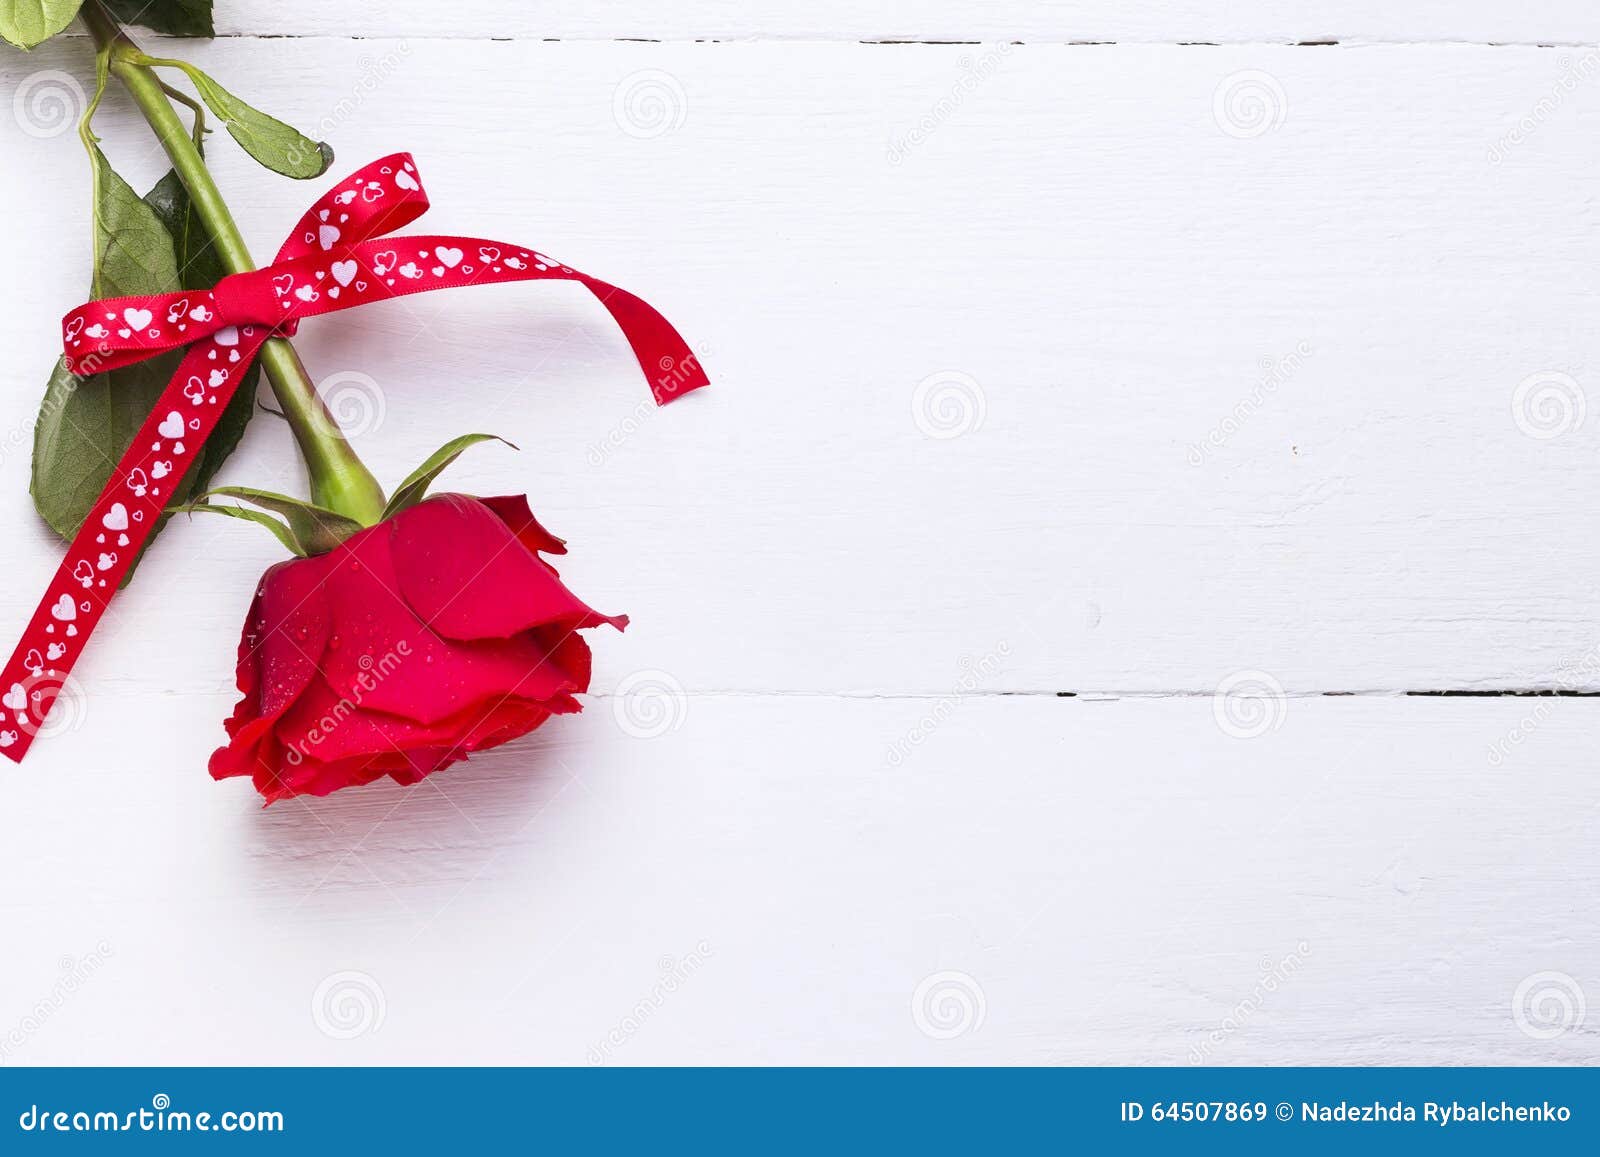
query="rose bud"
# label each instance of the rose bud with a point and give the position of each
(436, 633)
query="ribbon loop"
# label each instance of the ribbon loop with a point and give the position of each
(385, 196)
(340, 255)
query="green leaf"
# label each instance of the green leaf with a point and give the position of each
(200, 267)
(27, 23)
(279, 530)
(415, 487)
(317, 529)
(173, 17)
(271, 142)
(133, 251)
(85, 425)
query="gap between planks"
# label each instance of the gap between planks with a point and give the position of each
(1095, 696)
(886, 42)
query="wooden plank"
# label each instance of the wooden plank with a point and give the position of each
(1112, 880)
(1549, 21)
(1247, 401)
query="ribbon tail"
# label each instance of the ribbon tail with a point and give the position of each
(111, 537)
(669, 365)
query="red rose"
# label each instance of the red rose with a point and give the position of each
(436, 633)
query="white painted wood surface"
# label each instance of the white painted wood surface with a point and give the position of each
(1110, 259)
(1110, 876)
(1294, 21)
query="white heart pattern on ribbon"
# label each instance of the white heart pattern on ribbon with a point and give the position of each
(376, 200)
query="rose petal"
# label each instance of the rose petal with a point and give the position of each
(326, 726)
(469, 577)
(512, 509)
(246, 677)
(283, 640)
(291, 631)
(418, 753)
(319, 779)
(383, 658)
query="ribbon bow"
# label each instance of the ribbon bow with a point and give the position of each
(338, 256)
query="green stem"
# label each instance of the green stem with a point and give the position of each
(339, 479)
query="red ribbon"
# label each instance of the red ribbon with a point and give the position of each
(339, 256)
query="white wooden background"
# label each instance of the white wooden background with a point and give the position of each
(1237, 388)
